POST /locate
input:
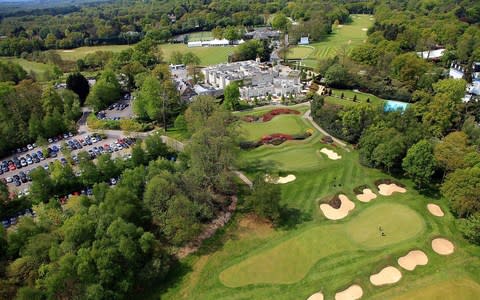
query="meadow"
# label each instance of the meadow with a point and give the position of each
(308, 253)
(343, 38)
(207, 55)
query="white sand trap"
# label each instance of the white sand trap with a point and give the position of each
(354, 292)
(435, 210)
(280, 180)
(364, 29)
(67, 51)
(366, 196)
(413, 259)
(389, 189)
(316, 296)
(387, 275)
(331, 154)
(443, 246)
(338, 213)
(340, 26)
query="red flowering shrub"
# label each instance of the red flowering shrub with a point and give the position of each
(279, 111)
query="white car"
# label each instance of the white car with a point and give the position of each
(113, 181)
(29, 147)
(93, 139)
(9, 179)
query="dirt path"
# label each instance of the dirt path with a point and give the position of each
(209, 230)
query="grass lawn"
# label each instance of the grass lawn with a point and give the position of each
(300, 52)
(207, 55)
(308, 253)
(77, 53)
(38, 68)
(344, 36)
(348, 98)
(200, 36)
(287, 124)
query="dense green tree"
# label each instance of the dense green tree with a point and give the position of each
(104, 92)
(231, 96)
(280, 21)
(461, 189)
(451, 151)
(470, 228)
(264, 200)
(419, 163)
(78, 84)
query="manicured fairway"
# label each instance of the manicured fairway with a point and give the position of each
(287, 124)
(290, 261)
(300, 52)
(77, 53)
(345, 36)
(29, 66)
(207, 55)
(348, 98)
(309, 253)
(455, 289)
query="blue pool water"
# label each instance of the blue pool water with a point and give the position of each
(391, 105)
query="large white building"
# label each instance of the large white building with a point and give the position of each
(254, 78)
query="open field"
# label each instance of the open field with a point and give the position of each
(309, 253)
(207, 55)
(38, 68)
(343, 38)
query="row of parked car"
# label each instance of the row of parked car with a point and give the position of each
(13, 220)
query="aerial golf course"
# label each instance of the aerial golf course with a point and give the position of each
(357, 246)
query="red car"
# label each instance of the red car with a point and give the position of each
(12, 167)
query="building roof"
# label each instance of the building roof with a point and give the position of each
(432, 54)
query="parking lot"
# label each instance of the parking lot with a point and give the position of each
(117, 111)
(18, 178)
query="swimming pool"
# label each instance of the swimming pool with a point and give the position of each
(391, 105)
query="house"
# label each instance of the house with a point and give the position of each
(431, 54)
(456, 71)
(304, 41)
(254, 78)
(262, 33)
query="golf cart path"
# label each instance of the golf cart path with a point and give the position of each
(308, 116)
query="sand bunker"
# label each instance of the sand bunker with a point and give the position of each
(364, 29)
(366, 196)
(280, 180)
(443, 246)
(389, 189)
(412, 259)
(67, 51)
(316, 296)
(435, 210)
(331, 154)
(352, 293)
(338, 213)
(387, 275)
(340, 26)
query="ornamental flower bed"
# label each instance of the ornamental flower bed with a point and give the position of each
(279, 111)
(270, 115)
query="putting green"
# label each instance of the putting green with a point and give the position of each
(398, 222)
(287, 124)
(453, 289)
(290, 260)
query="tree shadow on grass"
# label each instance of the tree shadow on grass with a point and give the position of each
(178, 270)
(257, 166)
(291, 217)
